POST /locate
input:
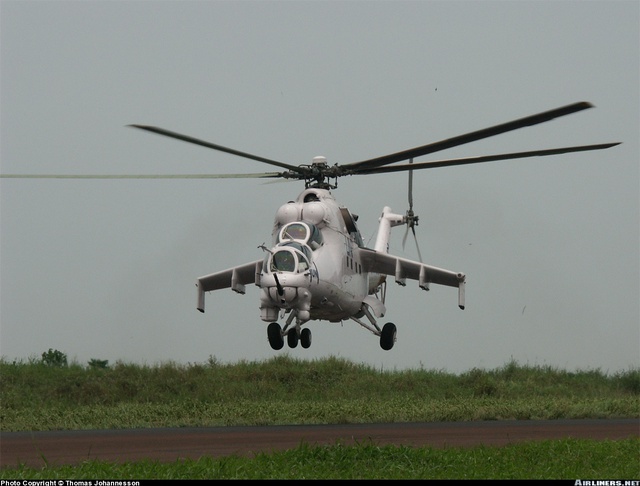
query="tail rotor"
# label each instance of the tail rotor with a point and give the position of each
(411, 219)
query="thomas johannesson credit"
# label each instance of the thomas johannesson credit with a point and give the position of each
(67, 482)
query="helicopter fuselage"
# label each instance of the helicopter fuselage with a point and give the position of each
(313, 268)
(319, 269)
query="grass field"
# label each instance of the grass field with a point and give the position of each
(560, 459)
(39, 395)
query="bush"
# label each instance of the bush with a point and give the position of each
(95, 364)
(54, 358)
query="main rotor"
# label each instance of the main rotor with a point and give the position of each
(320, 174)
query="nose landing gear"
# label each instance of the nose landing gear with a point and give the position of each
(292, 338)
(275, 334)
(305, 337)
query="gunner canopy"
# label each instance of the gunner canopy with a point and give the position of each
(289, 257)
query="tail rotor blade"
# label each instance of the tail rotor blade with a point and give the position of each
(404, 239)
(409, 216)
(417, 246)
(411, 187)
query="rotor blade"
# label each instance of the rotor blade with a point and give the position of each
(410, 186)
(482, 158)
(468, 137)
(413, 229)
(186, 138)
(141, 176)
(404, 238)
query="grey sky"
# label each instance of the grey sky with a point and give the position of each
(106, 268)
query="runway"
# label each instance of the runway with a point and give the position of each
(169, 444)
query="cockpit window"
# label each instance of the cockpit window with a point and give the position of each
(295, 258)
(294, 231)
(304, 232)
(283, 261)
(304, 249)
(315, 238)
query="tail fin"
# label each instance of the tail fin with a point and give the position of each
(387, 221)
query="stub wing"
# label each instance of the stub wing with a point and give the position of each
(235, 278)
(402, 269)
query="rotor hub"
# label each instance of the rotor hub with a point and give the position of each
(319, 161)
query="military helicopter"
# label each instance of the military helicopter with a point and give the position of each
(317, 266)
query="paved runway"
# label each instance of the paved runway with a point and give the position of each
(169, 444)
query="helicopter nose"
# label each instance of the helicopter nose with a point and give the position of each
(288, 295)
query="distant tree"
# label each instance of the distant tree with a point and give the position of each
(54, 358)
(98, 363)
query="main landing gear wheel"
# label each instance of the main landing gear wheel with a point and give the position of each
(305, 338)
(292, 338)
(274, 333)
(388, 336)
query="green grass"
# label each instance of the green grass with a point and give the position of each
(284, 390)
(559, 459)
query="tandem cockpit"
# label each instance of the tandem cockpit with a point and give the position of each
(287, 272)
(294, 245)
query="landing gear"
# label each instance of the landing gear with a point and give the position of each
(388, 336)
(387, 333)
(276, 339)
(292, 338)
(274, 333)
(305, 337)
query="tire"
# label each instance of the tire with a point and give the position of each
(292, 338)
(274, 333)
(305, 338)
(388, 336)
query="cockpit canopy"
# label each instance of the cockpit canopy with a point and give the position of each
(300, 231)
(289, 257)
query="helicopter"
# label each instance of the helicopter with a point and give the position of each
(317, 267)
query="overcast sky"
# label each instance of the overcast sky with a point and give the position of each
(106, 269)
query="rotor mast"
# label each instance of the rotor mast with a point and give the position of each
(319, 174)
